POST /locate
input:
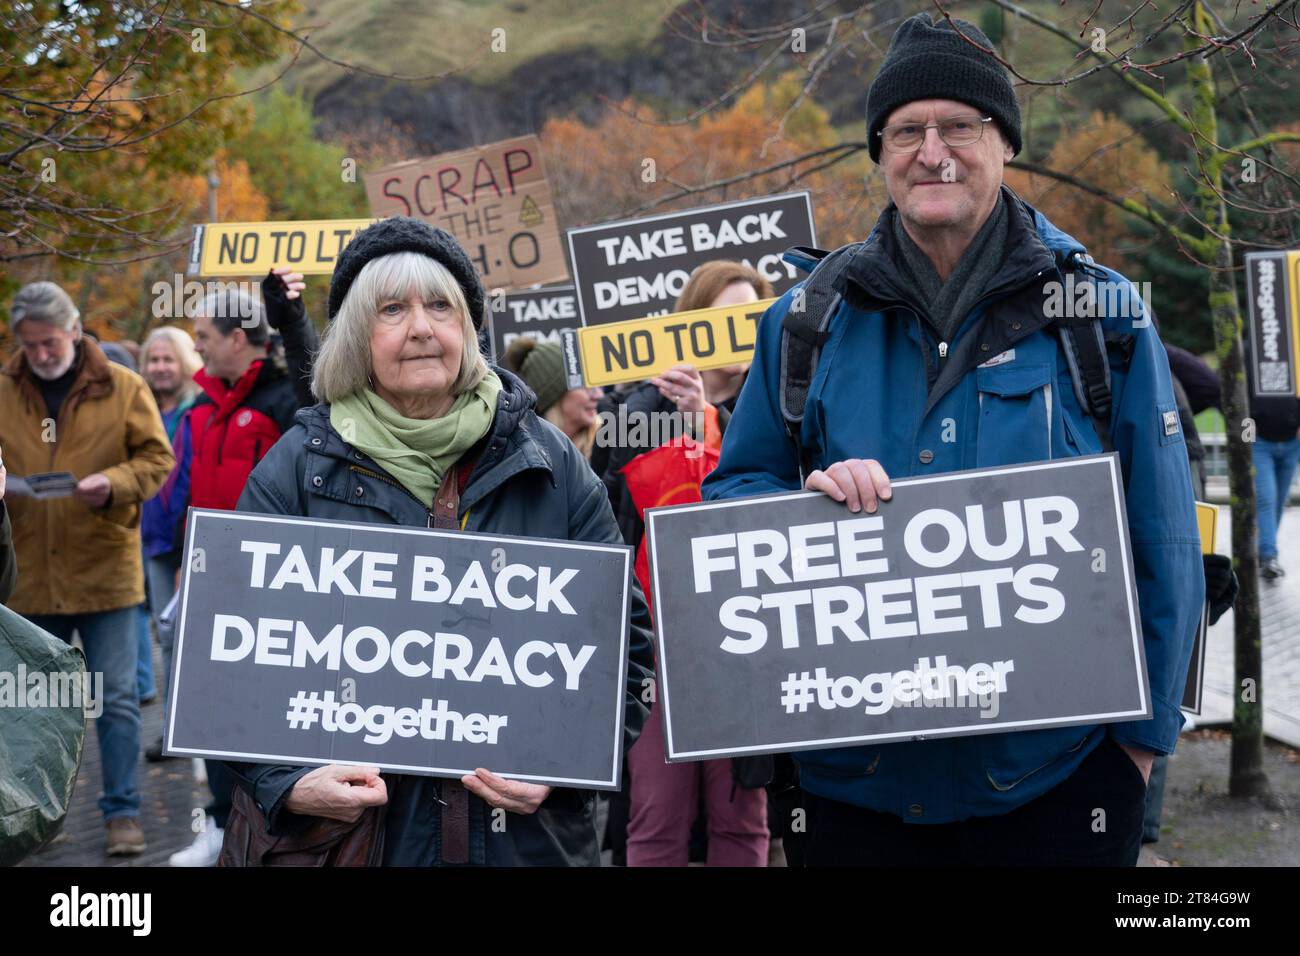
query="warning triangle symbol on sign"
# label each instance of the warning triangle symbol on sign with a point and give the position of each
(529, 214)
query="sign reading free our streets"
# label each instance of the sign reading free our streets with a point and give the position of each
(974, 602)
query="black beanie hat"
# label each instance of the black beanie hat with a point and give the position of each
(404, 234)
(928, 61)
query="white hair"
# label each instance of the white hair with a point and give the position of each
(186, 355)
(44, 302)
(343, 366)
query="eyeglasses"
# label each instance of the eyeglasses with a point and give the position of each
(955, 131)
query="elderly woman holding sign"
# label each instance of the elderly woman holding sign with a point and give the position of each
(411, 418)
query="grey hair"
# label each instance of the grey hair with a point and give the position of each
(44, 302)
(343, 365)
(230, 307)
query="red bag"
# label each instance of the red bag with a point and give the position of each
(671, 475)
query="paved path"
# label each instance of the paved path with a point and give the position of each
(169, 795)
(1280, 632)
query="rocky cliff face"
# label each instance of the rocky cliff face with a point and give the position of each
(679, 72)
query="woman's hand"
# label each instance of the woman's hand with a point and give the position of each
(856, 482)
(513, 795)
(682, 385)
(292, 281)
(338, 793)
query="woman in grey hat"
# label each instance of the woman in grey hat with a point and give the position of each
(409, 409)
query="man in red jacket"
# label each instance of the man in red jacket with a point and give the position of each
(251, 393)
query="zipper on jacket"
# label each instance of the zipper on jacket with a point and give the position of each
(1047, 398)
(931, 370)
(221, 443)
(395, 484)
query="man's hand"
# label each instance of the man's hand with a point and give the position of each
(683, 386)
(857, 482)
(338, 793)
(1142, 758)
(514, 795)
(93, 490)
(2, 477)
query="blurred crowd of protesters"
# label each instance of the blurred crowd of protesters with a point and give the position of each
(64, 407)
(143, 451)
(250, 415)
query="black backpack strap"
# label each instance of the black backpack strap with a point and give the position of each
(1084, 342)
(803, 333)
(1085, 354)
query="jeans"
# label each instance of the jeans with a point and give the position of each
(1275, 463)
(161, 575)
(110, 644)
(1092, 818)
(1155, 799)
(144, 658)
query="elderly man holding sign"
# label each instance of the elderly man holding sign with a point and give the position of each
(416, 429)
(936, 346)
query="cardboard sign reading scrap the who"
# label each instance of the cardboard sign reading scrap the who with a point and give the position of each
(638, 267)
(253, 248)
(494, 199)
(1273, 299)
(631, 351)
(305, 641)
(543, 314)
(974, 602)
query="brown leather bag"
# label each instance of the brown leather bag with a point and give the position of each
(322, 843)
(332, 842)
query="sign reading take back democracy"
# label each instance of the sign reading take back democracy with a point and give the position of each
(494, 199)
(306, 641)
(972, 602)
(542, 314)
(638, 267)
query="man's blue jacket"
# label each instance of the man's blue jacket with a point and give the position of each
(884, 388)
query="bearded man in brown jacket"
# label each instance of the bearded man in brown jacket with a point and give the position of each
(65, 408)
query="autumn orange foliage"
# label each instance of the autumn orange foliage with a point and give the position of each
(1108, 153)
(116, 303)
(630, 158)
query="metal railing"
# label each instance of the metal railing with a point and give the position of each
(1216, 463)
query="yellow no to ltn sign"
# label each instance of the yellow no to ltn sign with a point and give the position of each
(642, 348)
(254, 248)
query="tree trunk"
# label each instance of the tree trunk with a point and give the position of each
(1246, 777)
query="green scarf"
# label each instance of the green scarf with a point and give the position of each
(417, 452)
